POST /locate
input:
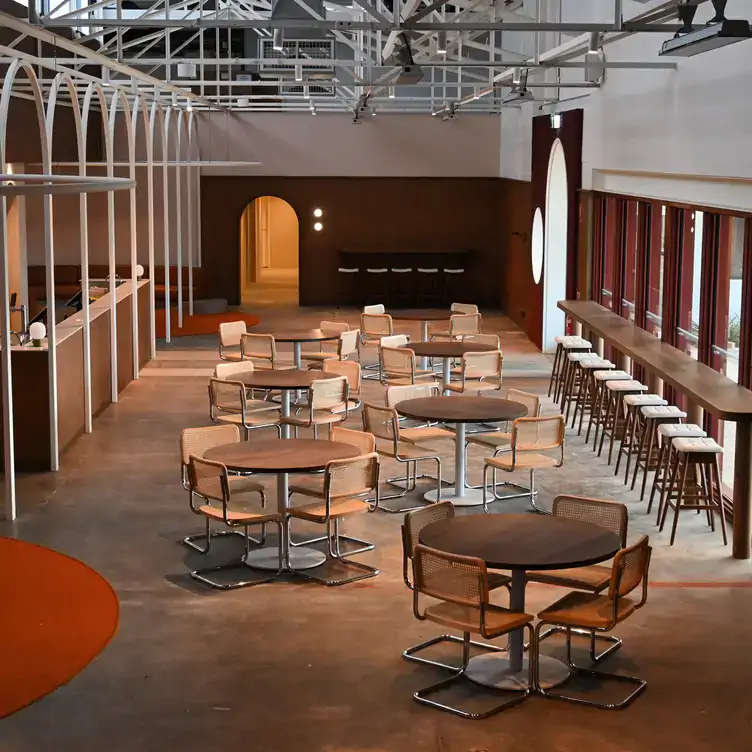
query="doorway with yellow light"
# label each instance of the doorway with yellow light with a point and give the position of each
(269, 248)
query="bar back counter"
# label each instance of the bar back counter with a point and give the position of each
(31, 402)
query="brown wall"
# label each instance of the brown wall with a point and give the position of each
(395, 214)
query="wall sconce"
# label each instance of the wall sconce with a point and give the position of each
(556, 120)
(139, 271)
(37, 332)
(318, 213)
(318, 227)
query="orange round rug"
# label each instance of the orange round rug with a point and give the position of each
(200, 323)
(57, 616)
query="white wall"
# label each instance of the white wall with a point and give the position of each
(330, 145)
(662, 126)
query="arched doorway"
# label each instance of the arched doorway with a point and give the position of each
(555, 248)
(269, 242)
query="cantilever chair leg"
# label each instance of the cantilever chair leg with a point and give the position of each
(410, 653)
(201, 575)
(209, 535)
(411, 481)
(334, 554)
(614, 642)
(639, 684)
(423, 695)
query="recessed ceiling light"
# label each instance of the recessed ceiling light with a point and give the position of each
(318, 227)
(317, 213)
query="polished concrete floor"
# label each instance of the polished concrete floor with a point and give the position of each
(297, 666)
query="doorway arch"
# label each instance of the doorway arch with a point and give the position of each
(555, 246)
(269, 252)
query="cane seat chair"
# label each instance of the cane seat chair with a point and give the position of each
(352, 372)
(398, 366)
(261, 350)
(461, 586)
(419, 434)
(197, 441)
(347, 484)
(229, 403)
(227, 370)
(213, 497)
(230, 334)
(463, 308)
(536, 444)
(460, 325)
(326, 405)
(479, 372)
(593, 578)
(347, 345)
(500, 441)
(383, 423)
(601, 612)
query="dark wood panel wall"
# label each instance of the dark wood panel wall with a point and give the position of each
(394, 214)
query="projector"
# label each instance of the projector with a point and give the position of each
(709, 38)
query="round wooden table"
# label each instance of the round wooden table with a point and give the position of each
(281, 457)
(520, 542)
(460, 410)
(423, 316)
(298, 336)
(446, 350)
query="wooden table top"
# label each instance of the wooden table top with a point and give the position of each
(446, 349)
(281, 455)
(291, 379)
(299, 335)
(416, 314)
(461, 409)
(522, 541)
(711, 390)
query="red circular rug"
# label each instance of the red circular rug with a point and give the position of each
(57, 616)
(200, 323)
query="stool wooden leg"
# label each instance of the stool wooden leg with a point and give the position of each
(595, 413)
(555, 368)
(648, 457)
(611, 401)
(665, 469)
(618, 407)
(680, 497)
(589, 398)
(576, 370)
(716, 471)
(627, 440)
(646, 429)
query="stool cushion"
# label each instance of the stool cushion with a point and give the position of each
(577, 356)
(644, 400)
(697, 445)
(625, 385)
(663, 411)
(589, 363)
(681, 431)
(576, 343)
(612, 376)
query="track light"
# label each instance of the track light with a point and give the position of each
(278, 40)
(516, 76)
(441, 43)
(594, 43)
(298, 72)
(391, 92)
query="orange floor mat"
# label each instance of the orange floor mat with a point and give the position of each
(201, 323)
(57, 616)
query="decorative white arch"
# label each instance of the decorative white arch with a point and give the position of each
(157, 114)
(92, 90)
(117, 95)
(65, 81)
(5, 350)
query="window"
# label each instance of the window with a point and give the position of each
(657, 240)
(629, 260)
(691, 255)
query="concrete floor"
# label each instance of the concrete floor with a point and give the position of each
(297, 666)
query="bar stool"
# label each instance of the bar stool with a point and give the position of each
(563, 344)
(346, 287)
(654, 418)
(428, 286)
(377, 284)
(667, 433)
(615, 423)
(453, 284)
(635, 426)
(571, 379)
(586, 397)
(702, 454)
(600, 406)
(401, 288)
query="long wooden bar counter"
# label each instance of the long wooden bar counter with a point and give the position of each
(701, 384)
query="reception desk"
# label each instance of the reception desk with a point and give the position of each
(30, 366)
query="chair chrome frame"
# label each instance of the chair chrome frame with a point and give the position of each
(637, 682)
(333, 538)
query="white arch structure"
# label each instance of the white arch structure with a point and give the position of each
(49, 185)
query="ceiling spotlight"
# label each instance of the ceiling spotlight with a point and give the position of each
(594, 43)
(391, 92)
(516, 76)
(317, 213)
(476, 92)
(278, 40)
(318, 227)
(298, 72)
(441, 43)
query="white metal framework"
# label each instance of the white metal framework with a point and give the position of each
(355, 55)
